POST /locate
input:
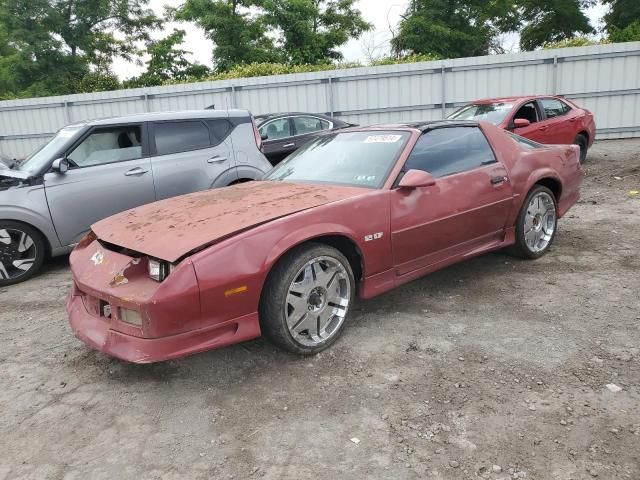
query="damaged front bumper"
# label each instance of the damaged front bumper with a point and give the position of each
(110, 288)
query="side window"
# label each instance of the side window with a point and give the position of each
(174, 137)
(449, 150)
(276, 129)
(524, 142)
(554, 108)
(304, 125)
(108, 145)
(528, 111)
(220, 129)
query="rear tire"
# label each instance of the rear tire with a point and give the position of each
(537, 223)
(22, 252)
(582, 141)
(305, 302)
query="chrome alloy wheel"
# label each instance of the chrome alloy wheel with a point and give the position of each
(17, 253)
(317, 301)
(539, 222)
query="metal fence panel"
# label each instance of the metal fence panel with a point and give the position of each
(602, 78)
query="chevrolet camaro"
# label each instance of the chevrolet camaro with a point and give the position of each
(355, 212)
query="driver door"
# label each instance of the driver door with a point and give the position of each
(109, 172)
(464, 211)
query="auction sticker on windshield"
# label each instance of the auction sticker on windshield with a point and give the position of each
(382, 138)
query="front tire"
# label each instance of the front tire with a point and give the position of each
(22, 252)
(306, 299)
(536, 224)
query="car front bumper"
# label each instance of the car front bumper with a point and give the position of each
(98, 333)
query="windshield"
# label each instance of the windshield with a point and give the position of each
(41, 157)
(491, 112)
(361, 159)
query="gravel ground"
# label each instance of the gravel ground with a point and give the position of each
(494, 368)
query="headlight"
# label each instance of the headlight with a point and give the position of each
(158, 270)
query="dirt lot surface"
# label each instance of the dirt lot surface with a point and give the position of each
(495, 368)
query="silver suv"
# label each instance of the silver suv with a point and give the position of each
(92, 170)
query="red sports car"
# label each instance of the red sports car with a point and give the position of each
(358, 211)
(548, 120)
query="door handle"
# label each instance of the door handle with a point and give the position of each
(217, 159)
(135, 171)
(498, 180)
(289, 145)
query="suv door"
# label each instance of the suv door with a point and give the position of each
(109, 172)
(277, 139)
(191, 155)
(465, 210)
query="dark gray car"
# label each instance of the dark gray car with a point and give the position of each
(95, 169)
(284, 133)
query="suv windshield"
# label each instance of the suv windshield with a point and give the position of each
(490, 112)
(39, 159)
(361, 159)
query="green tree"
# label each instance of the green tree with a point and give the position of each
(239, 35)
(549, 21)
(622, 22)
(54, 44)
(312, 30)
(454, 28)
(167, 62)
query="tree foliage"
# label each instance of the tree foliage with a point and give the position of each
(239, 35)
(50, 46)
(548, 21)
(454, 28)
(312, 30)
(622, 22)
(167, 62)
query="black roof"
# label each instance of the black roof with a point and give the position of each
(431, 124)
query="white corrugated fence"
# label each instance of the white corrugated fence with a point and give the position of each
(603, 78)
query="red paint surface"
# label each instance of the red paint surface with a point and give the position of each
(239, 233)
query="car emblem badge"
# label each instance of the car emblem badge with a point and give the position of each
(97, 258)
(373, 236)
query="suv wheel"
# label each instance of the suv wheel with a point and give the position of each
(22, 251)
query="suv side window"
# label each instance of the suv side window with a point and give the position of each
(220, 129)
(276, 129)
(182, 136)
(108, 145)
(528, 111)
(304, 125)
(449, 150)
(554, 107)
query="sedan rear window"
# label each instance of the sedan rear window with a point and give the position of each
(361, 159)
(490, 112)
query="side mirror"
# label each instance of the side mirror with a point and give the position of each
(417, 178)
(60, 165)
(521, 123)
(264, 136)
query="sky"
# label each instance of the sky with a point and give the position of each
(383, 14)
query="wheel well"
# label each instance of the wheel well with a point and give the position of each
(348, 248)
(552, 184)
(241, 180)
(584, 134)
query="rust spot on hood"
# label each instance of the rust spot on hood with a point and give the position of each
(170, 229)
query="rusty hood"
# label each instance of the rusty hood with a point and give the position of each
(172, 228)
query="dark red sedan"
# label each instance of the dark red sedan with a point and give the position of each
(544, 119)
(355, 212)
